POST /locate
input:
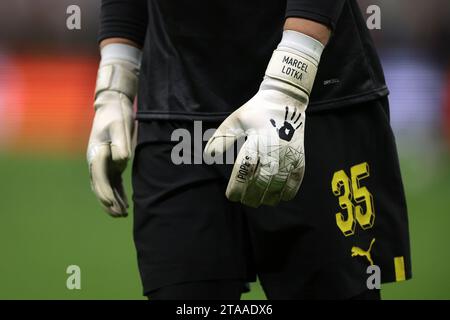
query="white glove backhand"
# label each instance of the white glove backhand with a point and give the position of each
(110, 143)
(271, 163)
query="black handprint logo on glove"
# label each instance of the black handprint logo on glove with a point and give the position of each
(286, 132)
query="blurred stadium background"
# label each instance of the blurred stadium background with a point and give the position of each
(50, 219)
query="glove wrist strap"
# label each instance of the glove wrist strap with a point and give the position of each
(296, 60)
(115, 77)
(119, 70)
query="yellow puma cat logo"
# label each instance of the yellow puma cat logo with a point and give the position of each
(356, 251)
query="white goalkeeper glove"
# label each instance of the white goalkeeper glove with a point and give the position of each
(271, 162)
(110, 142)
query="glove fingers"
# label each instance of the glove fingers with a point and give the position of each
(267, 184)
(119, 190)
(120, 205)
(280, 177)
(255, 191)
(120, 142)
(120, 209)
(262, 178)
(293, 182)
(273, 193)
(120, 154)
(98, 174)
(242, 174)
(115, 210)
(100, 181)
(224, 137)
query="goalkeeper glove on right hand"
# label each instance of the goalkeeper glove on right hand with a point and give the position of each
(110, 142)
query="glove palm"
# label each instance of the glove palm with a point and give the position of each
(270, 164)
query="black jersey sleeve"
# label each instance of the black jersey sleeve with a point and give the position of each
(323, 11)
(123, 19)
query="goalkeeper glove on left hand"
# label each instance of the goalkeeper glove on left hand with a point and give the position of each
(271, 162)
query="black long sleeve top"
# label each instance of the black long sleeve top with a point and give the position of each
(203, 59)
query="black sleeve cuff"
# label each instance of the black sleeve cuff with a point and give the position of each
(123, 19)
(326, 12)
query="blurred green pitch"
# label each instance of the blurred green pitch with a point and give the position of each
(50, 220)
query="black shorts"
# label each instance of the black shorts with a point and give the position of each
(350, 212)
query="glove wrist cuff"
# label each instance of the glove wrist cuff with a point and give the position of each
(116, 77)
(119, 70)
(301, 42)
(296, 60)
(121, 52)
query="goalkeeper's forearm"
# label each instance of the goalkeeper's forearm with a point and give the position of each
(105, 42)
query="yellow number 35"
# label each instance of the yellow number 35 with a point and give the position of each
(351, 198)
